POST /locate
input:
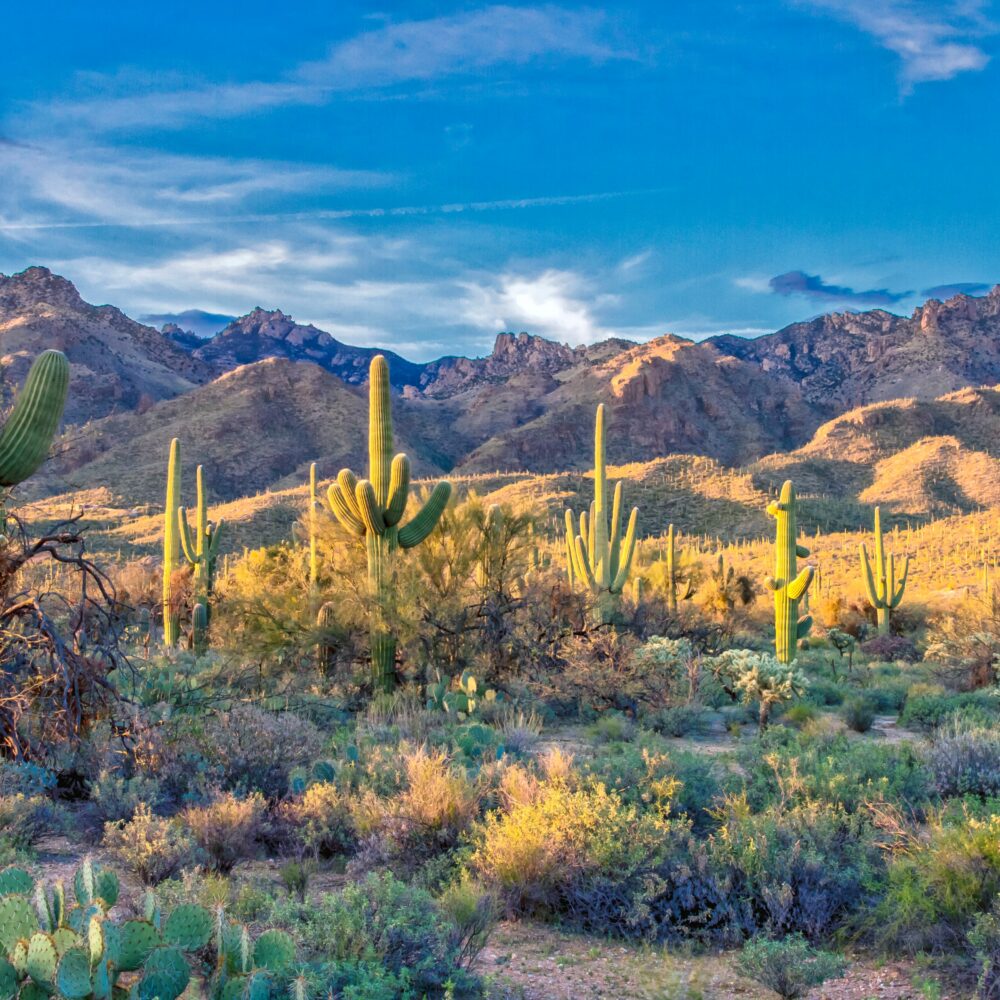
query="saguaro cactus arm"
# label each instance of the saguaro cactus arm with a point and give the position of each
(424, 521)
(31, 426)
(800, 584)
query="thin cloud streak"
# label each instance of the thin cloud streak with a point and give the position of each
(401, 53)
(319, 215)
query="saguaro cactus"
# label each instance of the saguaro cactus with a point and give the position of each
(489, 568)
(599, 557)
(201, 552)
(373, 508)
(27, 436)
(787, 583)
(313, 546)
(171, 544)
(885, 592)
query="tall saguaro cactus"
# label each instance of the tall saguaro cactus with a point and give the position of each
(788, 584)
(201, 552)
(884, 591)
(27, 436)
(171, 544)
(313, 544)
(598, 555)
(373, 509)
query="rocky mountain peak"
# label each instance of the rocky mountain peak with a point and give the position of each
(36, 286)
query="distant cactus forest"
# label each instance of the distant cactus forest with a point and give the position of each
(724, 731)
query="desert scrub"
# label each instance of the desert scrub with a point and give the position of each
(253, 750)
(789, 768)
(805, 869)
(939, 889)
(790, 967)
(25, 819)
(115, 797)
(229, 829)
(319, 822)
(382, 931)
(552, 833)
(964, 759)
(151, 847)
(859, 713)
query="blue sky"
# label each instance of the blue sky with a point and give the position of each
(423, 176)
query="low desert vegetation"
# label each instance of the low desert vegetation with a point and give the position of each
(330, 766)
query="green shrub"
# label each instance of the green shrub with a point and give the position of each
(859, 713)
(612, 727)
(678, 720)
(834, 769)
(553, 834)
(384, 932)
(790, 967)
(798, 715)
(115, 797)
(25, 819)
(927, 708)
(824, 693)
(938, 889)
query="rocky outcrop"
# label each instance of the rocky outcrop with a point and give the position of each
(273, 334)
(844, 360)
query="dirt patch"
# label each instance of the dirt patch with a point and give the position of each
(536, 962)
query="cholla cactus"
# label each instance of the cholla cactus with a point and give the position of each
(884, 591)
(759, 677)
(599, 556)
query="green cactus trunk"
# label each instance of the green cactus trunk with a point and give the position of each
(598, 556)
(373, 508)
(884, 591)
(788, 584)
(313, 546)
(171, 545)
(381, 550)
(671, 572)
(28, 433)
(201, 553)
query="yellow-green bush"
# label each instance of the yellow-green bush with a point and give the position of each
(556, 831)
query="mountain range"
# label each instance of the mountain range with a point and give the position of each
(265, 395)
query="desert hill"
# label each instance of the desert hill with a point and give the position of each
(117, 363)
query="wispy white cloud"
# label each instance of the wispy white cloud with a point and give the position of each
(66, 184)
(398, 53)
(934, 41)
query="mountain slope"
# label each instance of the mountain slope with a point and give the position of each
(253, 428)
(843, 360)
(116, 363)
(667, 396)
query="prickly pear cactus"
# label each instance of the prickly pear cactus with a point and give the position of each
(79, 954)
